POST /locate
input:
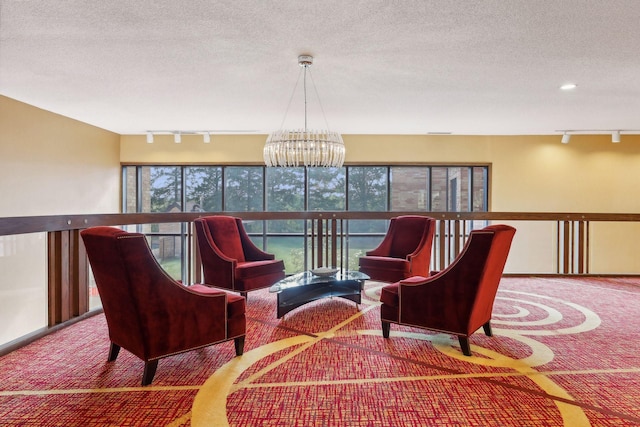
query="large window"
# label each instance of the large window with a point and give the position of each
(203, 188)
(219, 189)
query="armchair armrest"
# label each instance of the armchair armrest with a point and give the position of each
(435, 301)
(414, 280)
(172, 331)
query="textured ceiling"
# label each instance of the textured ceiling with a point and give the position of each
(381, 67)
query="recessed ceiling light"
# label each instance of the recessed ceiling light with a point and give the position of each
(568, 86)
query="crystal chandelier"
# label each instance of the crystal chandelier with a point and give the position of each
(303, 147)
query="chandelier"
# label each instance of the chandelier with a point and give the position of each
(303, 147)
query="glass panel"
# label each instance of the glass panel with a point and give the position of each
(168, 252)
(439, 195)
(290, 250)
(480, 185)
(459, 182)
(367, 226)
(130, 183)
(254, 228)
(288, 226)
(358, 246)
(327, 189)
(203, 189)
(243, 187)
(161, 189)
(23, 288)
(94, 295)
(367, 189)
(409, 188)
(364, 235)
(257, 240)
(285, 189)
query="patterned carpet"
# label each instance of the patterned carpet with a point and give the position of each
(563, 353)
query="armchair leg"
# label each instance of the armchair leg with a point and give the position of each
(386, 328)
(239, 344)
(464, 345)
(149, 372)
(113, 352)
(487, 329)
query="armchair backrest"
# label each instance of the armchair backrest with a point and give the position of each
(223, 232)
(111, 270)
(142, 303)
(409, 233)
(492, 272)
(472, 279)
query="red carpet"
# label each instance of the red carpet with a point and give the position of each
(564, 353)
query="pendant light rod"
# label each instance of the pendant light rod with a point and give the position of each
(304, 85)
(305, 62)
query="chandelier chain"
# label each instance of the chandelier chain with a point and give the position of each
(315, 89)
(293, 92)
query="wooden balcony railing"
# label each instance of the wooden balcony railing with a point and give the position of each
(68, 269)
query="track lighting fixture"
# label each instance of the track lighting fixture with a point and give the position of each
(177, 134)
(568, 86)
(615, 136)
(615, 133)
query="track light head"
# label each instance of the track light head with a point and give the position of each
(206, 137)
(177, 138)
(565, 138)
(149, 138)
(615, 136)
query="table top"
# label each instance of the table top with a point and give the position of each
(308, 278)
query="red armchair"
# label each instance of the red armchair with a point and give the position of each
(459, 299)
(404, 252)
(150, 314)
(230, 260)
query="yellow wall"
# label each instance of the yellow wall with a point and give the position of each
(49, 165)
(528, 173)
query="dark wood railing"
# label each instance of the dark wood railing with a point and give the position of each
(67, 265)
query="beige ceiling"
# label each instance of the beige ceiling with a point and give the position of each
(381, 67)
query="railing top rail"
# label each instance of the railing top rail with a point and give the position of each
(37, 224)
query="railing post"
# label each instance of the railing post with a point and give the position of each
(573, 247)
(68, 278)
(79, 269)
(334, 243)
(320, 243)
(583, 247)
(442, 243)
(196, 265)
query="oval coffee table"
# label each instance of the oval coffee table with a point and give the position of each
(302, 288)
